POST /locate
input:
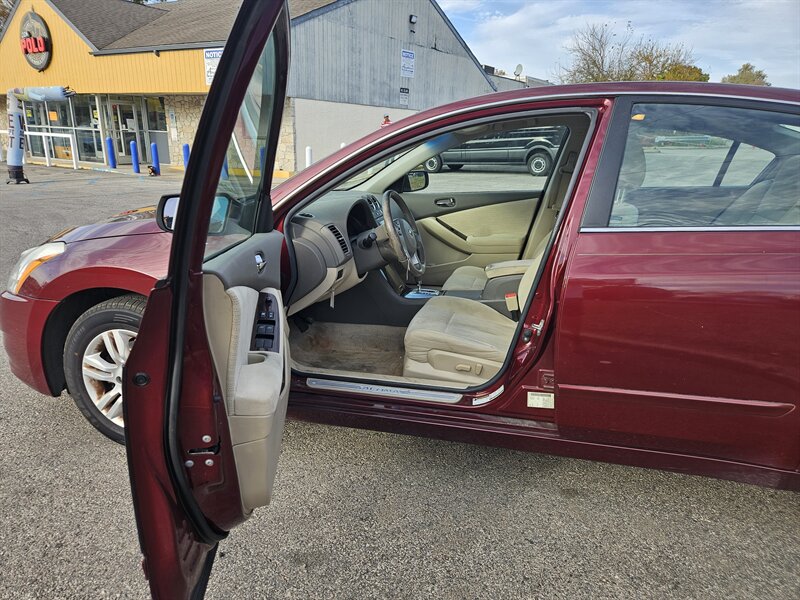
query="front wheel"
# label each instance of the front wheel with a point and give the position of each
(96, 350)
(433, 164)
(539, 164)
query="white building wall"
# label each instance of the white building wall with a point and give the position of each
(351, 53)
(326, 125)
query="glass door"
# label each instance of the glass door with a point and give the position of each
(125, 128)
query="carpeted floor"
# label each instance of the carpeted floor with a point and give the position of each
(362, 348)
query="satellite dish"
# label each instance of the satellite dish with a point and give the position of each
(518, 70)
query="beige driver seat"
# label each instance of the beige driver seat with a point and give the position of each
(459, 340)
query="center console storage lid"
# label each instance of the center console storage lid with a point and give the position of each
(508, 267)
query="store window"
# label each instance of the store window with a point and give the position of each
(78, 117)
(59, 114)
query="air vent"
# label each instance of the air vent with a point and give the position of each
(339, 238)
(374, 205)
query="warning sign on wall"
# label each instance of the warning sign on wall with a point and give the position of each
(211, 58)
(406, 63)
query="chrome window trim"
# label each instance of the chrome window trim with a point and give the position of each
(521, 100)
(690, 229)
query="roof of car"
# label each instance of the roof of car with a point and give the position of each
(569, 93)
(693, 88)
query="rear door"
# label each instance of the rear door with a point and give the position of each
(680, 325)
(208, 377)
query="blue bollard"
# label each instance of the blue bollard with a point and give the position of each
(111, 153)
(135, 157)
(262, 153)
(154, 155)
(186, 155)
(225, 168)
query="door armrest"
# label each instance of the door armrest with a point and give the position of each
(507, 267)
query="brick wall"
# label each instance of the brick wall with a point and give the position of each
(187, 111)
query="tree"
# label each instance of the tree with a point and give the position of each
(5, 10)
(600, 54)
(748, 75)
(682, 72)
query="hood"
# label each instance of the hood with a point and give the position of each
(131, 222)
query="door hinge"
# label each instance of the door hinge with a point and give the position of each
(537, 327)
(527, 334)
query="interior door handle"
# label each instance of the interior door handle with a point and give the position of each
(445, 202)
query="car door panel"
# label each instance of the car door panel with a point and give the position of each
(253, 382)
(658, 347)
(423, 204)
(475, 236)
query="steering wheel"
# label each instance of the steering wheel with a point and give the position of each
(404, 239)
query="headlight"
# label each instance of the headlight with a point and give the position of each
(30, 259)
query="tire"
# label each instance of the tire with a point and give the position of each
(539, 164)
(433, 164)
(101, 340)
(454, 167)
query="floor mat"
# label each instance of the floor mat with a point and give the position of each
(362, 348)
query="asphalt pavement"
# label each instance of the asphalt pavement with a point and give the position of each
(359, 514)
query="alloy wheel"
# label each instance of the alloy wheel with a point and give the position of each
(102, 364)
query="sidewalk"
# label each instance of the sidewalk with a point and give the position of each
(168, 172)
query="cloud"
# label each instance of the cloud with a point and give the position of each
(459, 6)
(721, 34)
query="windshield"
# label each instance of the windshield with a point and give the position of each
(366, 174)
(243, 173)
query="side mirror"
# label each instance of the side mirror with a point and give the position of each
(414, 181)
(219, 215)
(166, 211)
(168, 208)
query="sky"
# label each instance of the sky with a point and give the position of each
(722, 34)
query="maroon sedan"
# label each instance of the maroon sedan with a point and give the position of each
(640, 304)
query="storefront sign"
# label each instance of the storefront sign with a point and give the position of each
(211, 58)
(407, 63)
(35, 41)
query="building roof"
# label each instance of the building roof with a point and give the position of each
(118, 26)
(184, 22)
(100, 22)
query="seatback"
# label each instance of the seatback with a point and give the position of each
(770, 201)
(526, 283)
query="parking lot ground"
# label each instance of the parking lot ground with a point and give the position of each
(359, 514)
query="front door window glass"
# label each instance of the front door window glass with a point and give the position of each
(246, 161)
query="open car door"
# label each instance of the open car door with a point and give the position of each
(208, 378)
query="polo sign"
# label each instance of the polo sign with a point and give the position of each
(35, 41)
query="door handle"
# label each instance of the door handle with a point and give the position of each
(445, 202)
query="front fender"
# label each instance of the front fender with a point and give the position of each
(131, 263)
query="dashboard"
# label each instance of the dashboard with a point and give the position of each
(335, 240)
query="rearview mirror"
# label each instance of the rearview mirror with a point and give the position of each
(415, 181)
(168, 208)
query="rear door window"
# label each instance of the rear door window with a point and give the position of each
(708, 166)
